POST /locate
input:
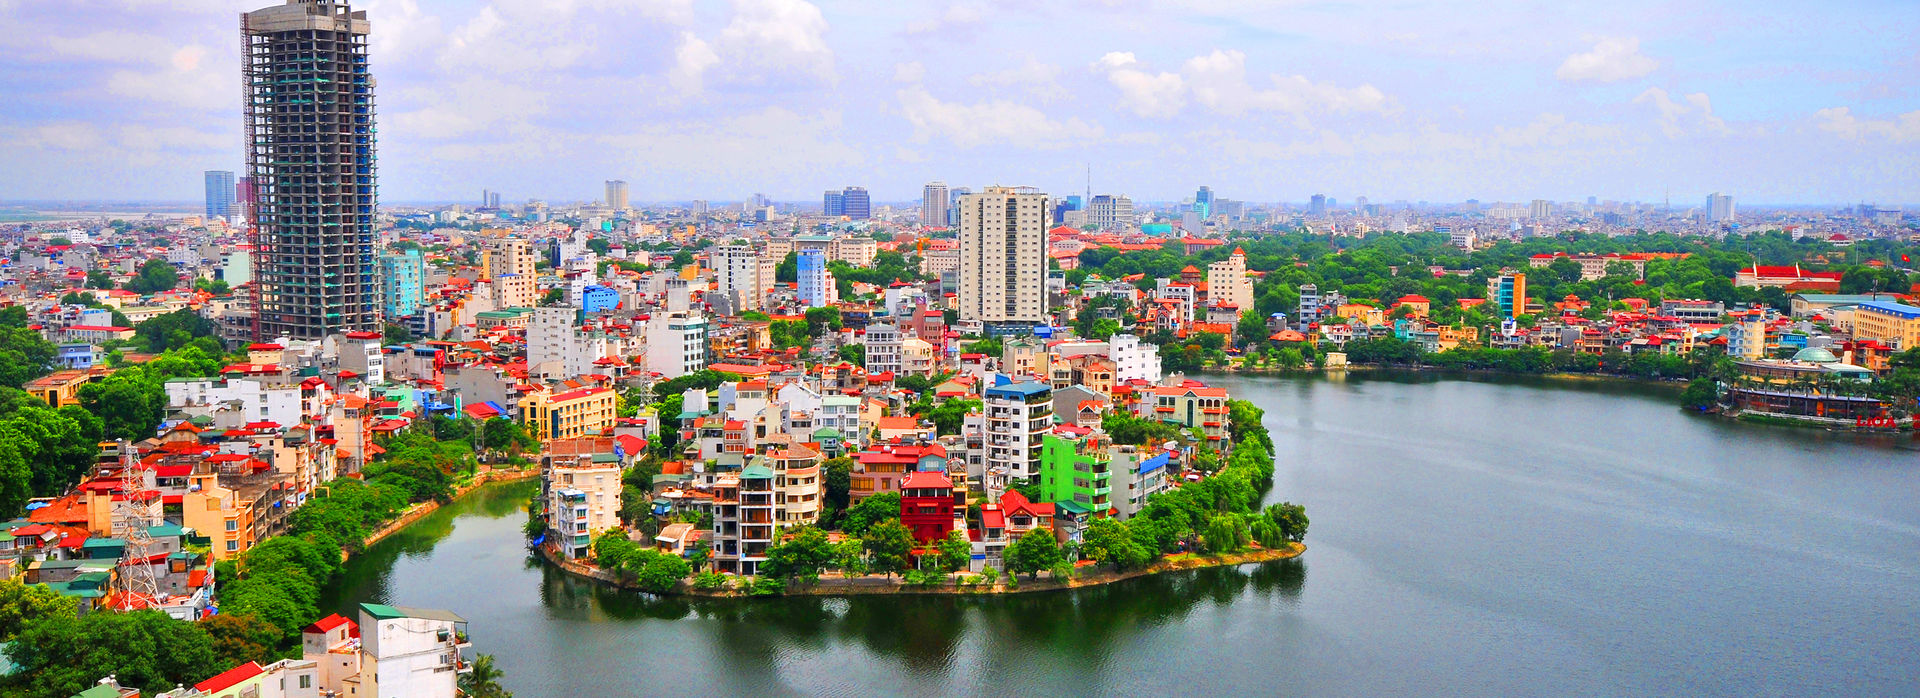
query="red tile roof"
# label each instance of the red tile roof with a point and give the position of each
(229, 678)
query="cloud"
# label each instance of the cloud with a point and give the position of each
(1611, 60)
(780, 34)
(1032, 72)
(1841, 122)
(1219, 82)
(911, 71)
(995, 123)
(959, 18)
(1153, 95)
(690, 63)
(1694, 114)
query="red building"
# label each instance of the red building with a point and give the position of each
(927, 505)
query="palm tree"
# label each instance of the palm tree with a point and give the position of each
(483, 681)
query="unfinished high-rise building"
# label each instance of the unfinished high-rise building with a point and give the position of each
(309, 113)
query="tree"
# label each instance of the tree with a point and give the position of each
(173, 330)
(888, 546)
(145, 649)
(956, 551)
(238, 639)
(98, 279)
(24, 605)
(155, 275)
(655, 571)
(1035, 551)
(850, 556)
(553, 296)
(951, 415)
(855, 354)
(24, 356)
(129, 405)
(802, 556)
(871, 512)
(395, 334)
(838, 480)
(1108, 541)
(1225, 533)
(1702, 393)
(213, 287)
(483, 680)
(1291, 518)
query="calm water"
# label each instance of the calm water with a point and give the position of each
(1469, 537)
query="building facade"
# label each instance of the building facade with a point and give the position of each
(1003, 257)
(403, 284)
(220, 194)
(934, 204)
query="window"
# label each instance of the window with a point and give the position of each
(233, 525)
(233, 546)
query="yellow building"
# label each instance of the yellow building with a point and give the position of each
(1362, 312)
(1893, 324)
(62, 388)
(583, 412)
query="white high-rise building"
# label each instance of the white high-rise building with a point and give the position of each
(1018, 416)
(934, 203)
(1003, 256)
(676, 344)
(1541, 208)
(1111, 212)
(617, 195)
(1719, 208)
(738, 270)
(1227, 282)
(557, 349)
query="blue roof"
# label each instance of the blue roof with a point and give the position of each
(1019, 390)
(1151, 464)
(1904, 311)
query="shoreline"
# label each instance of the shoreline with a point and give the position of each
(871, 585)
(421, 510)
(1371, 368)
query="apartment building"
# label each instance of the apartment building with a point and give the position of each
(580, 484)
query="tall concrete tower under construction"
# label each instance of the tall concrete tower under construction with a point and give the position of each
(310, 152)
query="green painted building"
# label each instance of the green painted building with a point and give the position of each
(1077, 469)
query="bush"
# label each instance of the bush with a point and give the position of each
(768, 586)
(710, 581)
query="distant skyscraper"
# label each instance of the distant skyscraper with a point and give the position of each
(1203, 202)
(737, 269)
(1003, 257)
(1318, 205)
(617, 195)
(858, 206)
(934, 203)
(1541, 208)
(220, 193)
(403, 282)
(309, 112)
(953, 205)
(833, 204)
(1719, 208)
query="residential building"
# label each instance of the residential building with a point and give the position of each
(402, 283)
(220, 194)
(571, 414)
(676, 344)
(930, 506)
(1140, 472)
(1003, 262)
(737, 269)
(310, 119)
(1075, 470)
(1133, 359)
(883, 466)
(1507, 292)
(1191, 406)
(580, 485)
(410, 653)
(1227, 282)
(558, 348)
(815, 284)
(743, 519)
(1695, 311)
(1719, 208)
(883, 344)
(1018, 416)
(509, 263)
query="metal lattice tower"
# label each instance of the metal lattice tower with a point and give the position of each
(309, 113)
(131, 518)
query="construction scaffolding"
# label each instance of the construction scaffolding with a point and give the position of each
(309, 113)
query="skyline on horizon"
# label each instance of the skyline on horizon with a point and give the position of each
(130, 100)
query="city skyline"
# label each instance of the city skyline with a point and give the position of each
(791, 98)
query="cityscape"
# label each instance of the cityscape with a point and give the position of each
(417, 398)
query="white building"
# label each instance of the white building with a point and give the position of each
(676, 344)
(1003, 256)
(1140, 472)
(737, 268)
(1133, 359)
(411, 652)
(510, 268)
(557, 348)
(235, 402)
(1018, 416)
(1111, 212)
(1719, 208)
(934, 202)
(1227, 281)
(580, 480)
(883, 348)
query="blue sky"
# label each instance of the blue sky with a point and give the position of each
(1264, 101)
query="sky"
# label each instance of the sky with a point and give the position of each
(1773, 102)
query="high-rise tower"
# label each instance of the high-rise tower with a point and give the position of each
(934, 203)
(1003, 257)
(220, 191)
(617, 194)
(309, 113)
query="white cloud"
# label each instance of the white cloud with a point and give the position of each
(780, 34)
(1032, 72)
(958, 17)
(1692, 114)
(911, 71)
(1611, 60)
(1841, 122)
(690, 63)
(997, 123)
(1218, 81)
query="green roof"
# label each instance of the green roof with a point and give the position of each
(605, 458)
(381, 611)
(829, 432)
(385, 612)
(99, 691)
(166, 531)
(757, 472)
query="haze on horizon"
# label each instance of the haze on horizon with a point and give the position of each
(1263, 101)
